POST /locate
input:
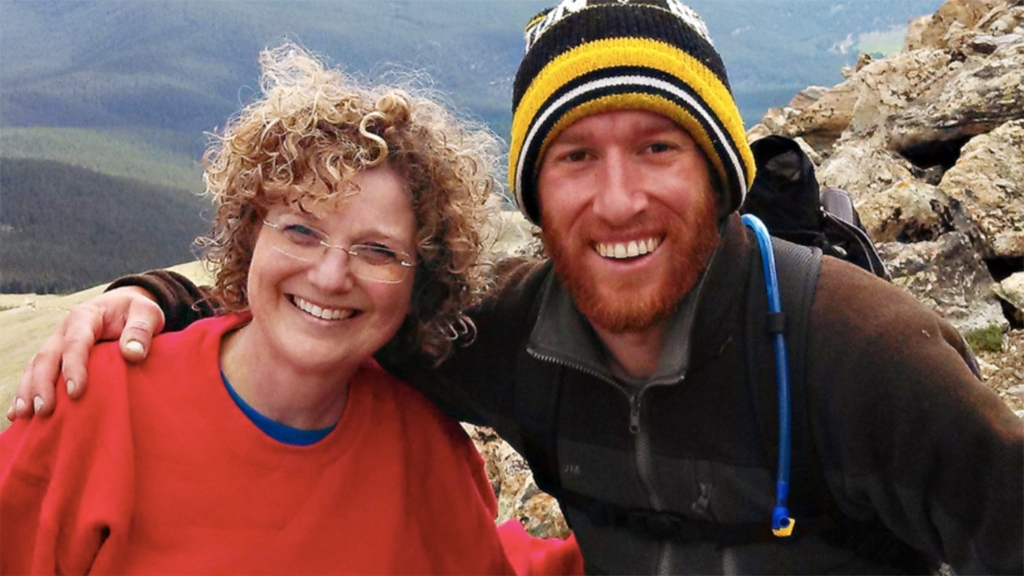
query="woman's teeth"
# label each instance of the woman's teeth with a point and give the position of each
(323, 313)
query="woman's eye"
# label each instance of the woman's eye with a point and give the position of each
(377, 254)
(301, 234)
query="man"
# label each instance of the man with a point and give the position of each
(619, 368)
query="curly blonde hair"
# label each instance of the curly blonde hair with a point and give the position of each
(315, 124)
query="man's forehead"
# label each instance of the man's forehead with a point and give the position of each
(636, 121)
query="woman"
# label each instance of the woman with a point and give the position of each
(266, 439)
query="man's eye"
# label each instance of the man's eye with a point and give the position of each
(576, 156)
(303, 235)
(660, 147)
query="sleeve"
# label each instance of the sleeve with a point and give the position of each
(907, 434)
(531, 555)
(180, 299)
(65, 485)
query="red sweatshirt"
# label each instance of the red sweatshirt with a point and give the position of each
(156, 470)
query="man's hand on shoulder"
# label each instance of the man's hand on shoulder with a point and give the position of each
(128, 313)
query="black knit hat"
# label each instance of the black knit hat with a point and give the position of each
(589, 56)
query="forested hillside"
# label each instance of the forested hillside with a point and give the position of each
(64, 228)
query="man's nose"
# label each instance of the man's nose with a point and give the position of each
(619, 194)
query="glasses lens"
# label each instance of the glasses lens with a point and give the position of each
(377, 263)
(298, 241)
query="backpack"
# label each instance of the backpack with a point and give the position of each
(786, 196)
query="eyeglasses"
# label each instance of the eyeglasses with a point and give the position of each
(370, 262)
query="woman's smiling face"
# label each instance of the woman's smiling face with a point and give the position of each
(316, 313)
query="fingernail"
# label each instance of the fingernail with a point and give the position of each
(71, 386)
(134, 346)
(19, 404)
(37, 403)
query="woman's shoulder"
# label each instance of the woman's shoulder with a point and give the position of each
(402, 406)
(201, 336)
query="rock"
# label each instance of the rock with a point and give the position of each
(939, 31)
(948, 276)
(823, 122)
(1011, 291)
(907, 211)
(975, 98)
(517, 493)
(807, 96)
(919, 32)
(988, 182)
(887, 87)
(863, 167)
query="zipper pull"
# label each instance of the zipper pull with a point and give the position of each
(634, 413)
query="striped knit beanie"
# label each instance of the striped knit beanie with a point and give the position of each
(584, 57)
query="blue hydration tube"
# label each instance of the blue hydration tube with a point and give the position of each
(782, 524)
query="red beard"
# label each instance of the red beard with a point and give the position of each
(637, 302)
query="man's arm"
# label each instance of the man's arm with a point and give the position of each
(133, 309)
(908, 435)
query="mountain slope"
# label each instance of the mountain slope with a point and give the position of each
(64, 228)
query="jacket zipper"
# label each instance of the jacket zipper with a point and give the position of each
(644, 471)
(642, 443)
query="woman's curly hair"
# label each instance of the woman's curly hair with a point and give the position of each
(316, 124)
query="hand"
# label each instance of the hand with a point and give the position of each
(128, 312)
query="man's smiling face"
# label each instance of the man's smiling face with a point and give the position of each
(628, 216)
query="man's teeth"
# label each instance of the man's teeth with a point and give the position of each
(324, 313)
(630, 249)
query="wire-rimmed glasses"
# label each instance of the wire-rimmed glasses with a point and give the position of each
(373, 262)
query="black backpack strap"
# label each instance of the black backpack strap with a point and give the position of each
(797, 267)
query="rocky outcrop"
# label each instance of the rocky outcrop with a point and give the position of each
(929, 144)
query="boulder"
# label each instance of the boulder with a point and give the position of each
(940, 30)
(949, 276)
(864, 167)
(988, 182)
(982, 93)
(888, 86)
(1011, 291)
(907, 211)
